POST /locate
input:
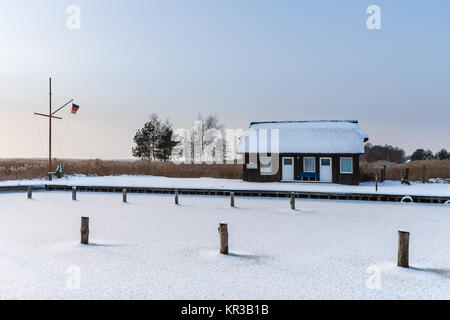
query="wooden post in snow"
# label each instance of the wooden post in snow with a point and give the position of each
(223, 233)
(176, 197)
(30, 192)
(403, 249)
(232, 199)
(124, 195)
(293, 201)
(74, 193)
(424, 178)
(84, 230)
(376, 182)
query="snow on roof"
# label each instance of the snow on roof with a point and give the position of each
(321, 136)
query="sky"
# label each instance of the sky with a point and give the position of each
(244, 60)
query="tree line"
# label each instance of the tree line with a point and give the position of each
(422, 154)
(383, 153)
(395, 154)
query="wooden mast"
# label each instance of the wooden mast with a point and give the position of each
(51, 115)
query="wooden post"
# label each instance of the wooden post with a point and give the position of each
(232, 199)
(403, 249)
(30, 193)
(424, 177)
(401, 174)
(124, 195)
(293, 201)
(376, 182)
(84, 230)
(74, 193)
(223, 233)
(176, 197)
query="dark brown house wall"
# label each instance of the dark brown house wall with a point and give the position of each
(346, 178)
(349, 179)
(255, 175)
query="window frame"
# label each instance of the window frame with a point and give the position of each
(288, 158)
(263, 168)
(351, 165)
(251, 166)
(304, 164)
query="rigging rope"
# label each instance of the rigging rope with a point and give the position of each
(40, 144)
(62, 129)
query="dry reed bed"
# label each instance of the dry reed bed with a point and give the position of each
(16, 169)
(434, 169)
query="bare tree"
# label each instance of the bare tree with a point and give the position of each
(208, 141)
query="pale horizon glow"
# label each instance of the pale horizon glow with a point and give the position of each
(246, 61)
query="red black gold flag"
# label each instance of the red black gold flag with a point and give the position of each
(75, 108)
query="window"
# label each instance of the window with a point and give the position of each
(265, 164)
(288, 161)
(309, 164)
(346, 165)
(252, 165)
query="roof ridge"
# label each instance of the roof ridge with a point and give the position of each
(303, 121)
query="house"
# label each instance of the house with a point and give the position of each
(319, 151)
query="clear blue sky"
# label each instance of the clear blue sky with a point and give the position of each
(245, 60)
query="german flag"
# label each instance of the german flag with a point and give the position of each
(75, 108)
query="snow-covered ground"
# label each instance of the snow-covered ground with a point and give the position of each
(387, 187)
(151, 249)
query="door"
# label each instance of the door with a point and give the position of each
(288, 169)
(326, 172)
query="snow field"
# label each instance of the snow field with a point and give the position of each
(150, 248)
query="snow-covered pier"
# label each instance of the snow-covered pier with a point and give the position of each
(388, 191)
(241, 193)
